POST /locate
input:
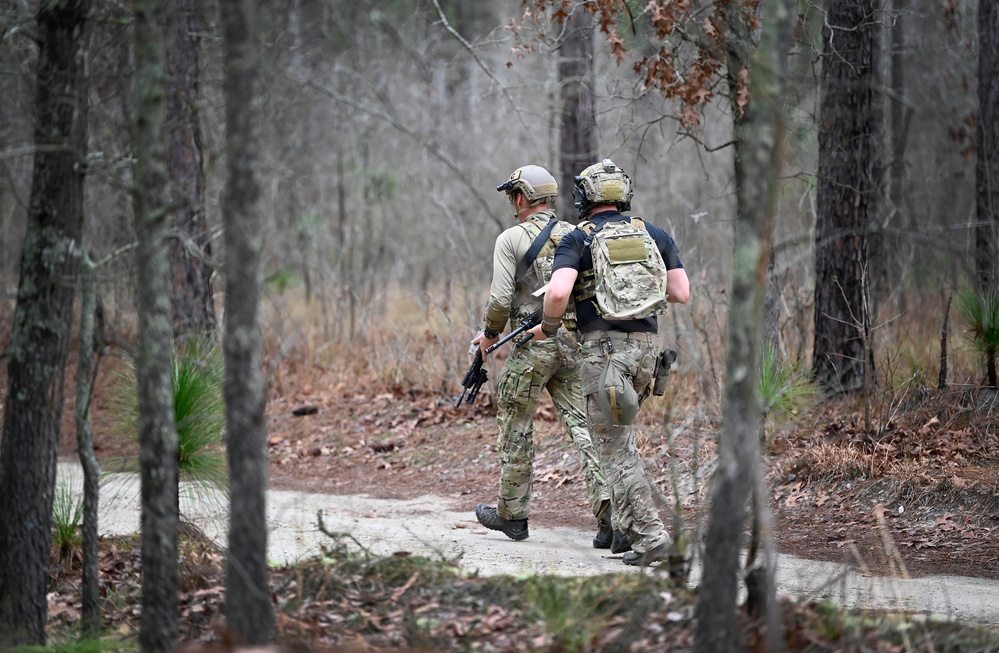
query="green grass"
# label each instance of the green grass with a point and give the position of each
(77, 646)
(574, 612)
(197, 377)
(786, 389)
(980, 314)
(67, 518)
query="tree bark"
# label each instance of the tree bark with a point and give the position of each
(190, 249)
(899, 255)
(248, 609)
(987, 165)
(160, 623)
(757, 164)
(90, 621)
(40, 339)
(847, 199)
(579, 121)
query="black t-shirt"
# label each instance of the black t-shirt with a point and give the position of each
(572, 253)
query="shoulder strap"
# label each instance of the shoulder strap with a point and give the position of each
(591, 230)
(532, 252)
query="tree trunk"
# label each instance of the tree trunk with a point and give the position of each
(771, 305)
(248, 609)
(40, 339)
(987, 168)
(757, 164)
(190, 249)
(579, 121)
(90, 621)
(160, 624)
(899, 257)
(846, 195)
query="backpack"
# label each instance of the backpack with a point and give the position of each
(628, 279)
(544, 258)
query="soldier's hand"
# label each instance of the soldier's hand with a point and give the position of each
(484, 343)
(537, 334)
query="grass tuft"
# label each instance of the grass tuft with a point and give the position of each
(67, 518)
(980, 314)
(197, 384)
(198, 376)
(786, 389)
(76, 645)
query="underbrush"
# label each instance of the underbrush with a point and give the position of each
(911, 495)
(942, 442)
(348, 597)
(931, 446)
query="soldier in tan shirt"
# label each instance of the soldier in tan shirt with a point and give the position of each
(534, 366)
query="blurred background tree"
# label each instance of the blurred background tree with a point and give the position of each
(385, 134)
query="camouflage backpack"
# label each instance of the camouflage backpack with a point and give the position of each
(628, 279)
(545, 258)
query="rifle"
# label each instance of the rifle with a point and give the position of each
(528, 322)
(664, 361)
(476, 374)
(474, 378)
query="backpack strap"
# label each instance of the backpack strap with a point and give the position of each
(589, 229)
(532, 253)
(585, 288)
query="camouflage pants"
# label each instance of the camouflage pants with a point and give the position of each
(635, 512)
(527, 372)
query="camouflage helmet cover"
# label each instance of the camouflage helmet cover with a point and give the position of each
(605, 183)
(534, 182)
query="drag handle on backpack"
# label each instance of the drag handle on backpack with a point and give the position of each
(663, 362)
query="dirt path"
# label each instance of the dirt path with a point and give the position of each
(435, 526)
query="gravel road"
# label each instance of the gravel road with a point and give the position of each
(446, 527)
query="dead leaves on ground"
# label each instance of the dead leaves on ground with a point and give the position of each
(387, 433)
(926, 479)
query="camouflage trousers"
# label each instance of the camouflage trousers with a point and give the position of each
(634, 511)
(530, 369)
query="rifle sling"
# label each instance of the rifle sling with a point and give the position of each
(532, 253)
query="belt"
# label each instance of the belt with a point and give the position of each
(637, 336)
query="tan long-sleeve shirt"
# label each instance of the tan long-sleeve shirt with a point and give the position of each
(506, 297)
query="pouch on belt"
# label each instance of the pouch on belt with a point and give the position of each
(616, 396)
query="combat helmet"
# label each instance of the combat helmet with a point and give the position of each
(534, 182)
(602, 183)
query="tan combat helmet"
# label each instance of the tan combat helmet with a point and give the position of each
(534, 182)
(602, 183)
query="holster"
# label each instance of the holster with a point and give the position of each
(663, 362)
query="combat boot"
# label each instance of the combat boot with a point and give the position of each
(650, 557)
(620, 543)
(605, 534)
(515, 529)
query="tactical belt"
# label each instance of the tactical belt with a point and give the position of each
(636, 336)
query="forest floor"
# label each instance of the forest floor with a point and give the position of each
(914, 495)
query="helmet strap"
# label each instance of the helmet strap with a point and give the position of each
(579, 201)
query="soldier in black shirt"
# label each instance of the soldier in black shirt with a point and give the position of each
(618, 356)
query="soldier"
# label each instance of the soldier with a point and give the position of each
(618, 272)
(522, 260)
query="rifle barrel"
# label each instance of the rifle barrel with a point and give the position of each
(505, 339)
(528, 323)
